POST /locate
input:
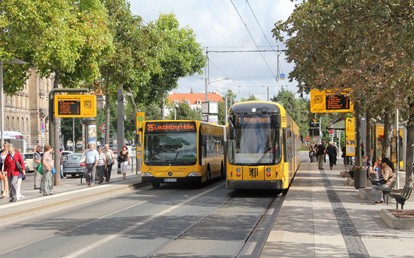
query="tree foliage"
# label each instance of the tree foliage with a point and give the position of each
(366, 46)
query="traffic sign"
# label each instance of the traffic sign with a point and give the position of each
(103, 127)
(331, 131)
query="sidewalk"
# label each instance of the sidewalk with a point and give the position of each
(70, 193)
(324, 217)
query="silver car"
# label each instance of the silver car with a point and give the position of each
(72, 165)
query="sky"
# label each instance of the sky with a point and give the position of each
(230, 25)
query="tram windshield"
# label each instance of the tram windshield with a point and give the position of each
(256, 140)
(170, 148)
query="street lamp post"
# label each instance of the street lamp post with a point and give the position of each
(13, 61)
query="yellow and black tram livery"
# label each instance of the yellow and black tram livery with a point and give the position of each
(262, 146)
(182, 151)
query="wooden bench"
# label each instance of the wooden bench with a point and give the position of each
(402, 197)
(387, 191)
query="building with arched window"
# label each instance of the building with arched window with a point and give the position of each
(27, 110)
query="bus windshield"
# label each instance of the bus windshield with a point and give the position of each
(256, 140)
(170, 148)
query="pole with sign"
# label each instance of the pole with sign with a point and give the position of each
(139, 120)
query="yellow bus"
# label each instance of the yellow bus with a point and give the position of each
(185, 151)
(263, 141)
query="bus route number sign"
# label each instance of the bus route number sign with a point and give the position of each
(335, 102)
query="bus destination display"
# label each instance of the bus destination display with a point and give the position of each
(69, 107)
(335, 102)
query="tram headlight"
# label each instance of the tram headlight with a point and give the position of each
(194, 174)
(238, 170)
(268, 172)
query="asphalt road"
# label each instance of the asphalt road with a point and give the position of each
(172, 221)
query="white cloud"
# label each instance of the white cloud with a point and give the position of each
(218, 27)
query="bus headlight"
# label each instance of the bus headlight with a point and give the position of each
(147, 174)
(194, 174)
(238, 172)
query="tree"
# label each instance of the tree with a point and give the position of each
(184, 112)
(297, 109)
(366, 46)
(178, 54)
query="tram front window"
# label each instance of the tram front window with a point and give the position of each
(256, 140)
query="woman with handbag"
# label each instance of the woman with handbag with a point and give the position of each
(3, 173)
(14, 165)
(47, 169)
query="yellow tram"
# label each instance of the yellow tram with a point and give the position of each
(263, 143)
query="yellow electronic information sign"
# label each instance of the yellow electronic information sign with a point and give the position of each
(74, 106)
(140, 118)
(329, 101)
(350, 136)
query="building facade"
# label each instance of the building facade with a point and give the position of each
(27, 110)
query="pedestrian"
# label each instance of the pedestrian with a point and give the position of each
(101, 165)
(61, 163)
(386, 179)
(331, 151)
(321, 152)
(11, 165)
(123, 159)
(110, 157)
(19, 180)
(311, 153)
(47, 169)
(91, 161)
(3, 172)
(37, 159)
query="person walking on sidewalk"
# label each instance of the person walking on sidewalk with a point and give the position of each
(3, 172)
(100, 169)
(386, 178)
(91, 160)
(13, 172)
(331, 151)
(110, 157)
(37, 159)
(47, 167)
(321, 152)
(123, 159)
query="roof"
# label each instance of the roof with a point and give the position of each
(194, 98)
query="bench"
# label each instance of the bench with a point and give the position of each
(387, 191)
(402, 197)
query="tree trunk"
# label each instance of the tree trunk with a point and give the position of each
(386, 145)
(410, 145)
(162, 105)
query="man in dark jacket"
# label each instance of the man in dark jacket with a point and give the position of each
(321, 152)
(331, 151)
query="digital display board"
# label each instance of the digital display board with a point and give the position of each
(335, 102)
(329, 101)
(74, 106)
(170, 126)
(69, 107)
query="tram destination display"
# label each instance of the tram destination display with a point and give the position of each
(69, 107)
(335, 102)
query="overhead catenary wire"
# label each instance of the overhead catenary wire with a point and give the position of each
(251, 36)
(258, 23)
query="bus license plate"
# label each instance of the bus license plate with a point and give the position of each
(169, 180)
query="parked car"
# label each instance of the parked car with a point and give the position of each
(28, 161)
(65, 153)
(72, 165)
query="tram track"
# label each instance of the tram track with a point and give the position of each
(251, 236)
